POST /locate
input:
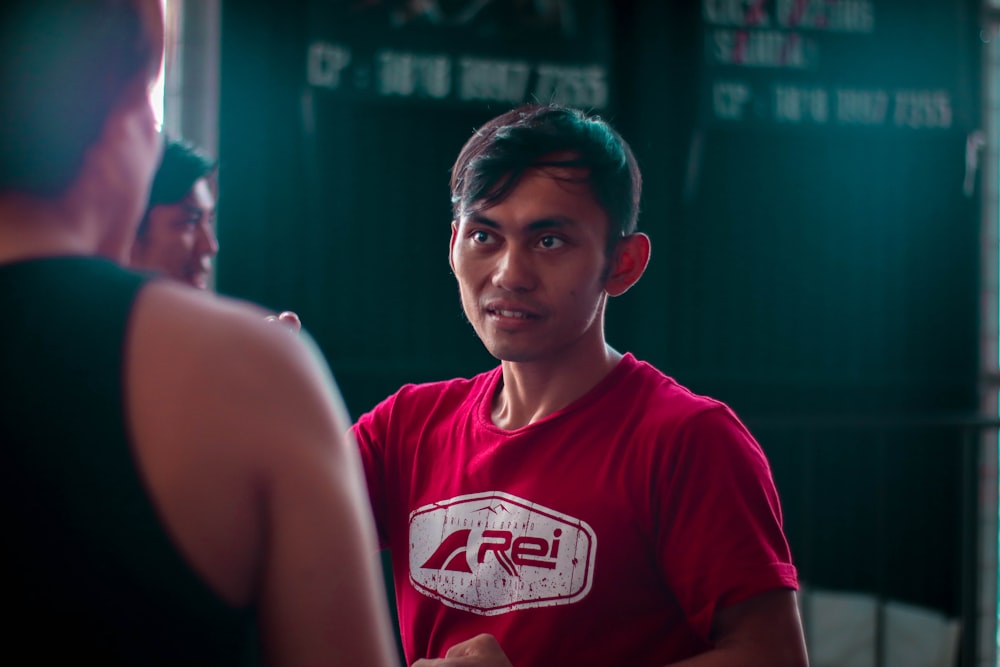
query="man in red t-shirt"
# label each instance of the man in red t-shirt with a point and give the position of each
(573, 506)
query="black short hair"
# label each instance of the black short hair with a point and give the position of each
(493, 160)
(183, 164)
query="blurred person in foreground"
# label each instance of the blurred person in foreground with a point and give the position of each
(176, 236)
(162, 499)
(574, 505)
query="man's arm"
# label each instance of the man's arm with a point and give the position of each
(240, 434)
(323, 587)
(764, 631)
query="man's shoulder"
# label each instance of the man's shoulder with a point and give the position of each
(185, 321)
(663, 397)
(665, 416)
(211, 383)
(201, 346)
(455, 385)
(648, 380)
(166, 298)
(448, 395)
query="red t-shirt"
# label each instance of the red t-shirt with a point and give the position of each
(607, 533)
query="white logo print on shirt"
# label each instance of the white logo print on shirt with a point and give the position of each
(491, 553)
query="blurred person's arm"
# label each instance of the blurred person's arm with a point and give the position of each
(239, 434)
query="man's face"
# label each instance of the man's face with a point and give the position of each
(530, 269)
(179, 239)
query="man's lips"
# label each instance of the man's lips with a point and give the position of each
(510, 311)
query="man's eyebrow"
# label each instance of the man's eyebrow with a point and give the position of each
(550, 222)
(481, 219)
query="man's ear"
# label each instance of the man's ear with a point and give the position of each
(628, 262)
(451, 245)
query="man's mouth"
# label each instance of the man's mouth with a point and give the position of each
(510, 313)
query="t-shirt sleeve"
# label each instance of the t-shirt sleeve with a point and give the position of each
(370, 433)
(721, 539)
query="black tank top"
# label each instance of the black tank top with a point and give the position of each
(88, 573)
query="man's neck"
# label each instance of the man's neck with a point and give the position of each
(531, 391)
(32, 227)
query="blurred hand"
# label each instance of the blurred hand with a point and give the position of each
(288, 318)
(480, 651)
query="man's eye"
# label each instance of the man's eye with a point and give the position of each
(480, 236)
(551, 242)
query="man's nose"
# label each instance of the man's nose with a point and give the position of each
(515, 270)
(208, 243)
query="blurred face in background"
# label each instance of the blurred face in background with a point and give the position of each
(178, 240)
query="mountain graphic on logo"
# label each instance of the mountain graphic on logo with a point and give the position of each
(493, 509)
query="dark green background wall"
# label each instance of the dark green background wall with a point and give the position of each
(797, 271)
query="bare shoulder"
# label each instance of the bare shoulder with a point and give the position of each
(175, 320)
(229, 416)
(233, 369)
